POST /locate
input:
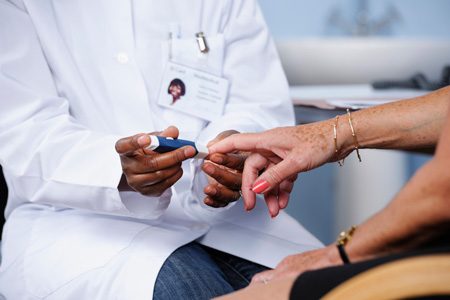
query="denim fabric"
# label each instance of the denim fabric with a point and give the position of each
(197, 272)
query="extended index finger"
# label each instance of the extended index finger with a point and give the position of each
(241, 141)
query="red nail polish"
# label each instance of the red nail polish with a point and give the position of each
(260, 186)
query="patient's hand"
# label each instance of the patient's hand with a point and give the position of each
(224, 175)
(228, 185)
(294, 265)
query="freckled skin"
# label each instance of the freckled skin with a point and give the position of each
(418, 213)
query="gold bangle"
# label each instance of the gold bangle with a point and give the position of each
(345, 236)
(336, 150)
(355, 140)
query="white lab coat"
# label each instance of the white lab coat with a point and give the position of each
(75, 76)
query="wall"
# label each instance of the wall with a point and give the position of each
(313, 200)
(308, 18)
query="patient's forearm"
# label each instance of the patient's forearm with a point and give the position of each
(409, 124)
(418, 213)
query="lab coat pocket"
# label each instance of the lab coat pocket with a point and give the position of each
(186, 51)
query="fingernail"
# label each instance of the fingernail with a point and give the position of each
(143, 140)
(208, 169)
(189, 151)
(218, 159)
(212, 191)
(260, 186)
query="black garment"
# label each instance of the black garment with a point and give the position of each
(315, 284)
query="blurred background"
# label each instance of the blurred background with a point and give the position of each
(336, 49)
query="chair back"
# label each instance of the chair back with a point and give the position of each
(421, 276)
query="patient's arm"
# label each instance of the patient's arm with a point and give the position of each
(419, 213)
(410, 124)
(283, 152)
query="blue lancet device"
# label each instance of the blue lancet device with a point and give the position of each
(162, 144)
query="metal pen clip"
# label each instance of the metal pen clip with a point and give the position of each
(174, 33)
(169, 45)
(201, 41)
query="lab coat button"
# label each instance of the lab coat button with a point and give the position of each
(122, 58)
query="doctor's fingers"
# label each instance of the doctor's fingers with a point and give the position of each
(128, 145)
(138, 180)
(156, 162)
(233, 161)
(253, 165)
(156, 190)
(219, 195)
(224, 176)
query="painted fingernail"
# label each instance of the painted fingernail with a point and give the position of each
(143, 140)
(260, 186)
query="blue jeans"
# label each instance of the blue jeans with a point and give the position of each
(198, 272)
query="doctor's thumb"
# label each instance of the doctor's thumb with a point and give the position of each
(272, 177)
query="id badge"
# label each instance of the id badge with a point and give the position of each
(193, 92)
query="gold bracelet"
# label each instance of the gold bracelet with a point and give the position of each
(336, 150)
(355, 140)
(343, 238)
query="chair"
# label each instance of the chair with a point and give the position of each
(415, 277)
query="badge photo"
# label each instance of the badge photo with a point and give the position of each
(193, 92)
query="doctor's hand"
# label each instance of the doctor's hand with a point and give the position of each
(278, 155)
(148, 172)
(224, 175)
